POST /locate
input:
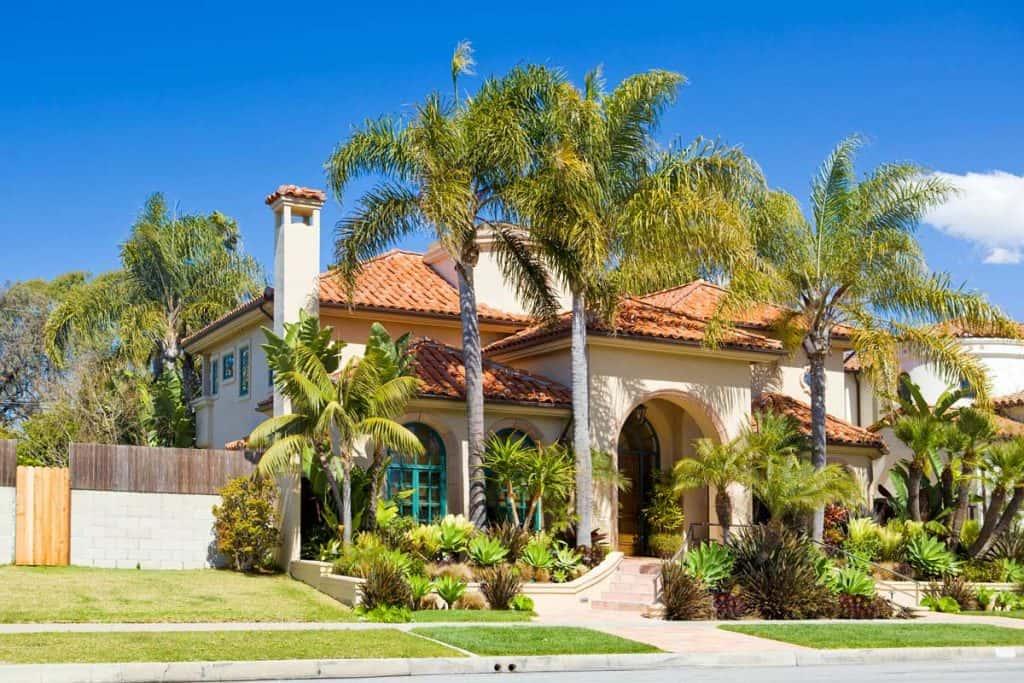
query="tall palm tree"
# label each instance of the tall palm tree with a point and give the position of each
(719, 465)
(855, 261)
(974, 433)
(445, 173)
(335, 409)
(1004, 469)
(600, 198)
(178, 273)
(925, 436)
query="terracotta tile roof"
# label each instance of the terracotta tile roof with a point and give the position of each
(852, 363)
(1009, 400)
(959, 328)
(236, 312)
(442, 375)
(837, 431)
(296, 192)
(701, 299)
(401, 281)
(637, 319)
(1007, 428)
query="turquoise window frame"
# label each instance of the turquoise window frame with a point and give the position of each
(244, 360)
(404, 475)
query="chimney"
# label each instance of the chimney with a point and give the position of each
(296, 257)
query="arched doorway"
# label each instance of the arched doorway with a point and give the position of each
(423, 476)
(639, 455)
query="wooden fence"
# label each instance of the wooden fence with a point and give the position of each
(141, 469)
(42, 516)
(8, 462)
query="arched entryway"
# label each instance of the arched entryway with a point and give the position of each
(421, 479)
(639, 456)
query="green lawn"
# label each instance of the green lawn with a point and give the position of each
(453, 615)
(1012, 614)
(533, 640)
(51, 648)
(78, 594)
(861, 635)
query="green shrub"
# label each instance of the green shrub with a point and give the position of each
(1010, 571)
(944, 604)
(955, 588)
(890, 544)
(1009, 601)
(537, 555)
(485, 551)
(665, 514)
(385, 585)
(929, 557)
(969, 532)
(776, 571)
(424, 541)
(358, 558)
(245, 523)
(985, 597)
(981, 571)
(850, 581)
(385, 614)
(565, 559)
(711, 563)
(394, 532)
(419, 588)
(455, 532)
(522, 603)
(665, 546)
(500, 585)
(449, 589)
(862, 538)
(684, 597)
(510, 536)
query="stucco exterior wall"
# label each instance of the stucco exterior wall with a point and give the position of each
(124, 530)
(1002, 358)
(227, 416)
(7, 523)
(786, 376)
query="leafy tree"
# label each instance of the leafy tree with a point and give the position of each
(789, 486)
(446, 172)
(1004, 469)
(178, 273)
(855, 261)
(335, 409)
(25, 369)
(610, 213)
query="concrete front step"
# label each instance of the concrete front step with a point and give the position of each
(621, 605)
(628, 596)
(619, 586)
(643, 568)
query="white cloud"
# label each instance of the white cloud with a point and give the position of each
(989, 211)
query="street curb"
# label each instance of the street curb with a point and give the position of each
(185, 672)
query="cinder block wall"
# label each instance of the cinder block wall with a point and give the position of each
(7, 522)
(124, 530)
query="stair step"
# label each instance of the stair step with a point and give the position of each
(620, 605)
(627, 596)
(641, 568)
(627, 587)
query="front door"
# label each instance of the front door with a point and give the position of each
(638, 456)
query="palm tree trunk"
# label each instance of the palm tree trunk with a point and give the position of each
(581, 422)
(513, 504)
(992, 518)
(346, 504)
(339, 503)
(1006, 520)
(816, 356)
(375, 474)
(914, 476)
(963, 493)
(473, 363)
(723, 508)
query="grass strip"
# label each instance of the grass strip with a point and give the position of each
(533, 640)
(470, 615)
(81, 594)
(875, 635)
(205, 646)
(1009, 614)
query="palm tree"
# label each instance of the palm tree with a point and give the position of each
(924, 435)
(789, 486)
(855, 261)
(599, 197)
(335, 409)
(179, 273)
(446, 171)
(719, 465)
(1004, 469)
(974, 432)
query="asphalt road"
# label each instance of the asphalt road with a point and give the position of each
(912, 672)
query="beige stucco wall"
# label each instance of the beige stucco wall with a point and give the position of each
(786, 376)
(227, 416)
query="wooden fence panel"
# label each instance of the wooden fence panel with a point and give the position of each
(8, 462)
(100, 467)
(43, 516)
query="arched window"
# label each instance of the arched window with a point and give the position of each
(424, 476)
(497, 500)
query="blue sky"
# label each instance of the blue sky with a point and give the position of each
(217, 105)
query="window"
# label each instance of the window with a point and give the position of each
(422, 478)
(270, 377)
(228, 366)
(214, 377)
(243, 371)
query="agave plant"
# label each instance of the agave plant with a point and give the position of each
(420, 587)
(565, 559)
(450, 589)
(850, 581)
(711, 563)
(929, 556)
(485, 551)
(537, 555)
(455, 532)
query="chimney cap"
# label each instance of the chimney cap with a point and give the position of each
(308, 194)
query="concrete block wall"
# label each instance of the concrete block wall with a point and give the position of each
(124, 530)
(7, 522)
